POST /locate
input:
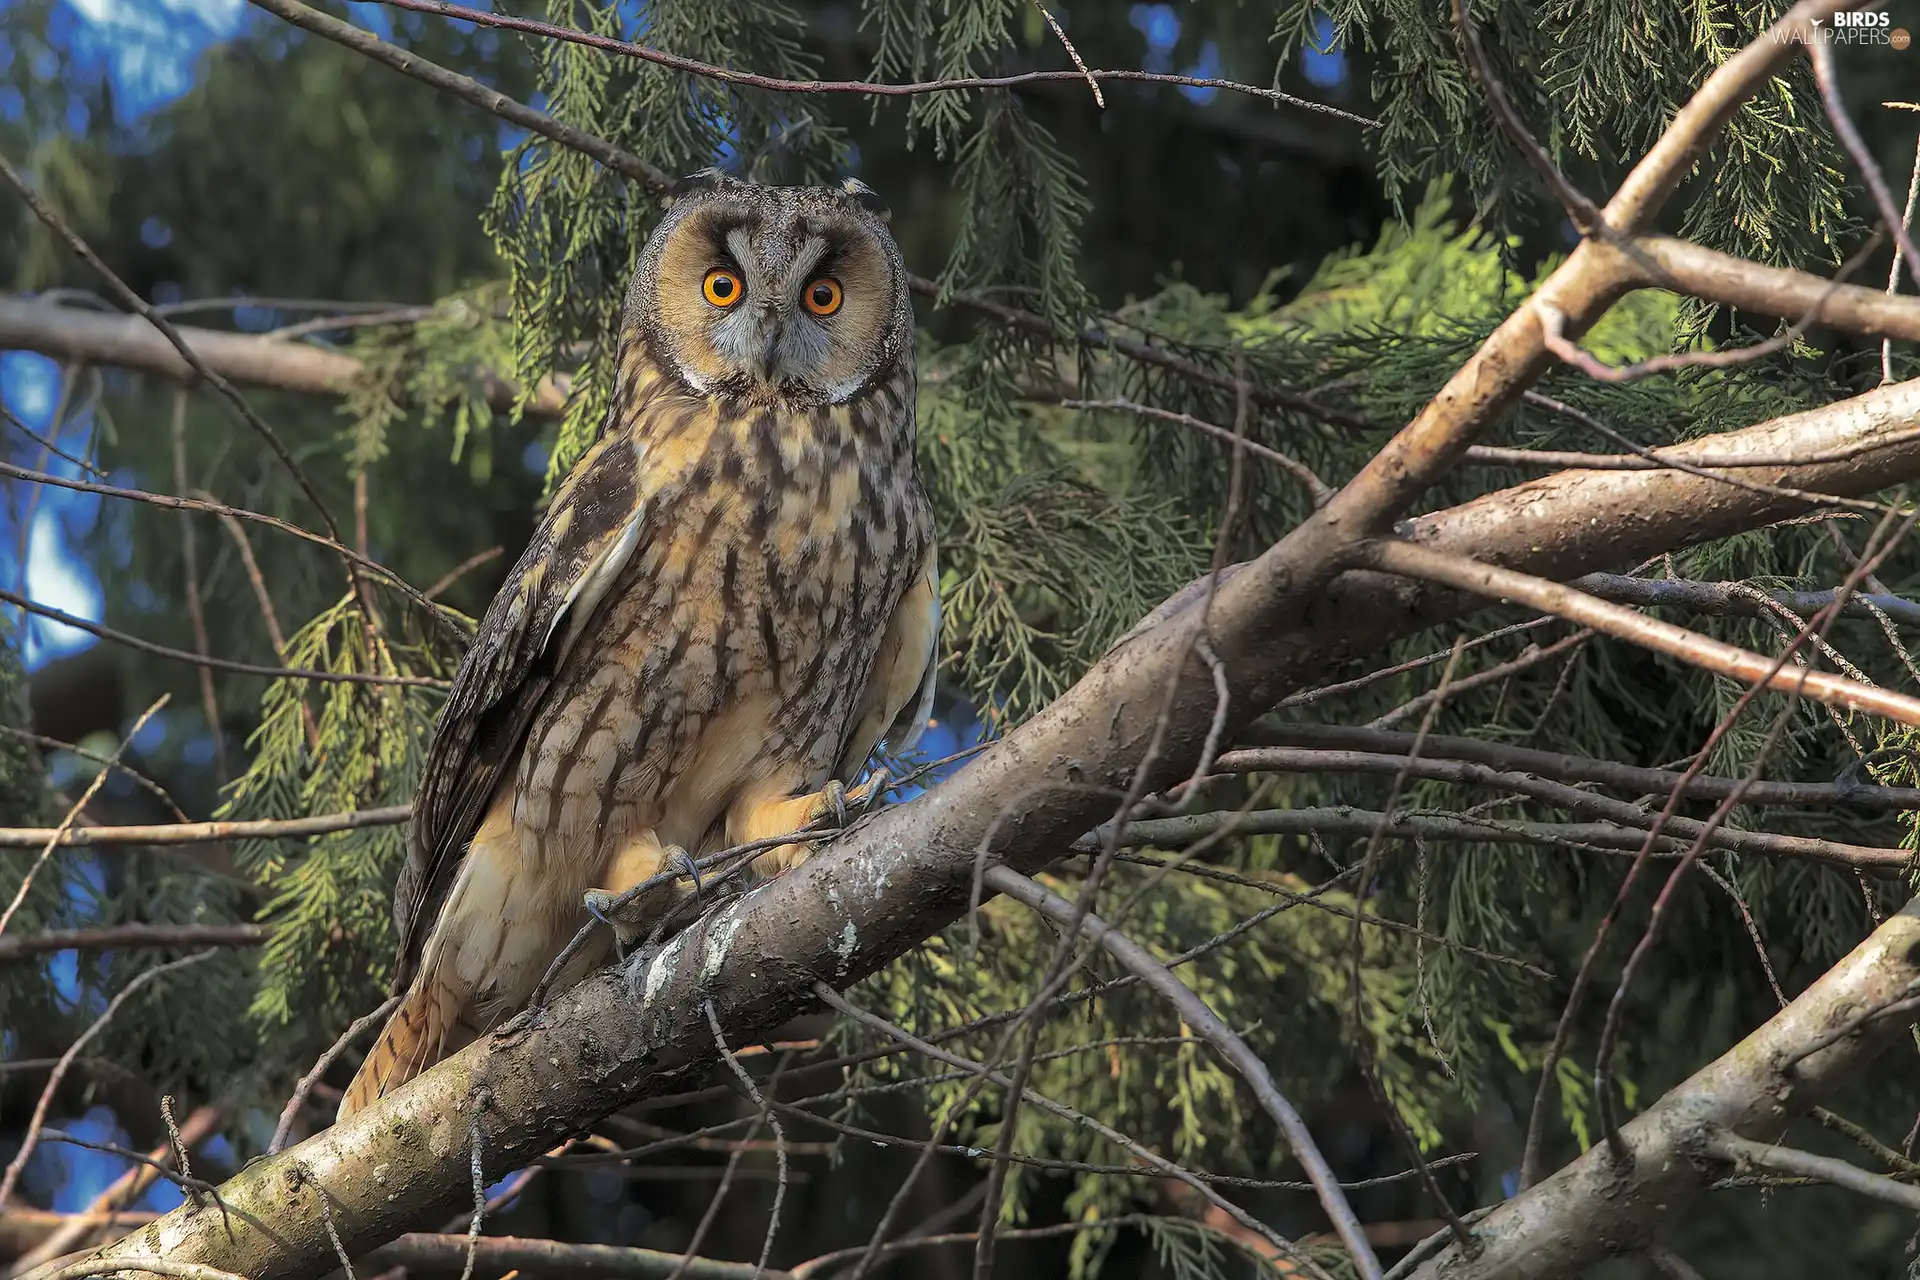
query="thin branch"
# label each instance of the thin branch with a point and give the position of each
(1632, 779)
(134, 302)
(1900, 245)
(173, 503)
(1153, 1160)
(1410, 560)
(1745, 1153)
(190, 573)
(126, 937)
(1822, 56)
(1177, 833)
(779, 1136)
(11, 1180)
(13, 420)
(1293, 466)
(74, 1229)
(1533, 656)
(121, 767)
(1736, 597)
(1581, 210)
(183, 1179)
(1195, 1013)
(53, 838)
(218, 664)
(507, 1254)
(462, 569)
(355, 1029)
(166, 833)
(136, 1263)
(1061, 35)
(866, 88)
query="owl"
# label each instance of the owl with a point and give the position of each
(731, 601)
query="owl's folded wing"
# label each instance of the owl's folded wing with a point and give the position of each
(589, 535)
(899, 696)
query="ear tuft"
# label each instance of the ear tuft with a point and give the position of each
(705, 180)
(867, 198)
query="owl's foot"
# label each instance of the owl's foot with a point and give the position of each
(632, 912)
(844, 805)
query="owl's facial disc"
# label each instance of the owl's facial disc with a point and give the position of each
(786, 298)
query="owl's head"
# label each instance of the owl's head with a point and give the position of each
(796, 293)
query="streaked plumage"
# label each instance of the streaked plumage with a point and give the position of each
(732, 599)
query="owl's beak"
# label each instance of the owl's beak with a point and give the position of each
(770, 350)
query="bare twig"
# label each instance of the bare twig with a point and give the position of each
(1584, 214)
(1747, 1153)
(1293, 466)
(73, 1229)
(1632, 779)
(239, 513)
(135, 1262)
(12, 1177)
(130, 936)
(1410, 560)
(1533, 656)
(779, 1135)
(217, 664)
(166, 833)
(1900, 246)
(1821, 55)
(1737, 597)
(190, 573)
(1195, 1013)
(1060, 34)
(53, 838)
(462, 569)
(355, 1029)
(1176, 833)
(868, 88)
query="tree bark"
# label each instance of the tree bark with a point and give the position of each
(111, 337)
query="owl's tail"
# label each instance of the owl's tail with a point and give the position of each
(430, 1024)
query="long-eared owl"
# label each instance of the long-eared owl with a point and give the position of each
(730, 602)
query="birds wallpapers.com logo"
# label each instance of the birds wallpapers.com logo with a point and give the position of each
(1853, 29)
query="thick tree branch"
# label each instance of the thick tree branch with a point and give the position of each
(1595, 1207)
(83, 336)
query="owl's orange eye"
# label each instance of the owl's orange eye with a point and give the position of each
(721, 287)
(823, 296)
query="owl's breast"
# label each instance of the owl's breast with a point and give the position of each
(742, 631)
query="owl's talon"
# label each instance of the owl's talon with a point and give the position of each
(599, 905)
(865, 796)
(834, 797)
(683, 862)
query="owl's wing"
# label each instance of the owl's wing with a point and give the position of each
(589, 534)
(899, 697)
